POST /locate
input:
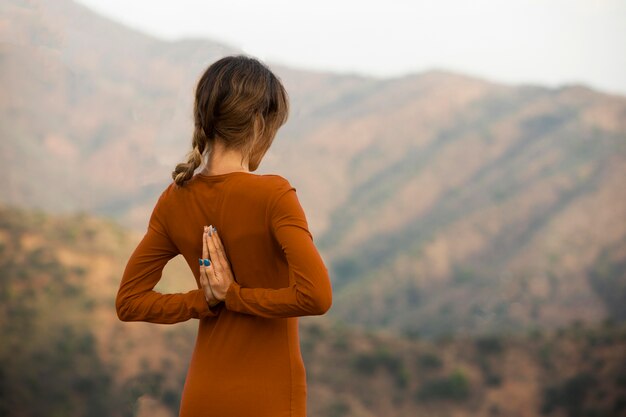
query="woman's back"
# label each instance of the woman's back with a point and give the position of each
(247, 359)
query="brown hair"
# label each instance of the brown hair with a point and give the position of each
(240, 102)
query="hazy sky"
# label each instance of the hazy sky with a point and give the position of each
(549, 42)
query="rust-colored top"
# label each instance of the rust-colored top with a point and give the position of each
(246, 360)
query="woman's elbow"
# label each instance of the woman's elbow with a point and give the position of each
(320, 303)
(124, 309)
(323, 305)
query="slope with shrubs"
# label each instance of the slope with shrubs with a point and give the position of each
(64, 352)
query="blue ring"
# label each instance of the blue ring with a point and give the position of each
(207, 262)
(200, 261)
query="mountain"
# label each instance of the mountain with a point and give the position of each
(496, 219)
(64, 352)
(442, 203)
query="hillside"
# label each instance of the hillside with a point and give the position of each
(442, 203)
(65, 353)
(495, 220)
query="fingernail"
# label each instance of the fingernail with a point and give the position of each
(215, 229)
(210, 230)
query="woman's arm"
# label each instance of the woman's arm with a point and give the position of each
(136, 299)
(309, 291)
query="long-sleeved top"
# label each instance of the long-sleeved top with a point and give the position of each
(246, 360)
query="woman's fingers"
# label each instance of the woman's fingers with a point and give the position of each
(205, 270)
(205, 246)
(205, 255)
(218, 240)
(213, 252)
(218, 276)
(208, 274)
(204, 281)
(221, 254)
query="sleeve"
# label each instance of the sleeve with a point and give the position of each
(136, 299)
(309, 292)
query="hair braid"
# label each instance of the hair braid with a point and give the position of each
(184, 171)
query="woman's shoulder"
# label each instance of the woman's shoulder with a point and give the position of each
(274, 180)
(269, 188)
(274, 185)
(165, 196)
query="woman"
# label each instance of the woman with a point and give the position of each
(259, 268)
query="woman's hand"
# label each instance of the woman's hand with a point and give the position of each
(216, 277)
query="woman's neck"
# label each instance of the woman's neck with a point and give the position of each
(223, 161)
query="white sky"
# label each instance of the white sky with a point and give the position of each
(548, 42)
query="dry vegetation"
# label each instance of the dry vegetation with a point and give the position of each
(64, 351)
